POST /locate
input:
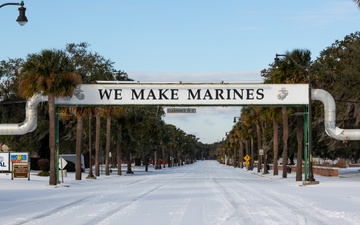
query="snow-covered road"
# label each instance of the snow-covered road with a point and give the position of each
(202, 193)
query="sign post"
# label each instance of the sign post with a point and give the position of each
(261, 153)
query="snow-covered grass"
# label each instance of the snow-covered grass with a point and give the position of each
(205, 192)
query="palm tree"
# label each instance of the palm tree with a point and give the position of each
(256, 111)
(118, 148)
(264, 119)
(285, 140)
(233, 141)
(248, 117)
(119, 121)
(98, 113)
(108, 139)
(241, 136)
(111, 111)
(275, 116)
(80, 113)
(276, 146)
(49, 72)
(294, 68)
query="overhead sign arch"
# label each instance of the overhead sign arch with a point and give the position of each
(188, 94)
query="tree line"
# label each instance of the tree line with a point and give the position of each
(125, 133)
(279, 131)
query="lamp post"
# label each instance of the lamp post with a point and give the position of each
(233, 144)
(310, 177)
(226, 140)
(22, 20)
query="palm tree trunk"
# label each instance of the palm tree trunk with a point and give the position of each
(169, 157)
(158, 161)
(266, 171)
(235, 157)
(276, 147)
(300, 140)
(258, 134)
(252, 153)
(156, 165)
(52, 139)
(285, 140)
(107, 148)
(146, 163)
(129, 163)
(241, 155)
(247, 152)
(91, 175)
(266, 149)
(97, 145)
(118, 149)
(79, 130)
(163, 156)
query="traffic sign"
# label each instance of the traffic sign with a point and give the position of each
(62, 163)
(247, 158)
(181, 110)
(261, 151)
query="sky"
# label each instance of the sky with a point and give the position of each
(203, 193)
(182, 40)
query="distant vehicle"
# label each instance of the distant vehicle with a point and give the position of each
(72, 158)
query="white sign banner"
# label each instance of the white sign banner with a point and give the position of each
(188, 94)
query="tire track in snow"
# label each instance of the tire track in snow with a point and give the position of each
(232, 212)
(283, 210)
(223, 197)
(130, 206)
(122, 209)
(65, 208)
(252, 211)
(70, 208)
(235, 211)
(312, 214)
(299, 211)
(178, 214)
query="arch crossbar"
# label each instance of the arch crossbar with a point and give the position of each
(191, 94)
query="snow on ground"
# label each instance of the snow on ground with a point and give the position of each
(205, 192)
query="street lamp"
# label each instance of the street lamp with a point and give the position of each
(276, 64)
(22, 20)
(236, 117)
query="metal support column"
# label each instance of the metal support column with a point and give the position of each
(306, 143)
(57, 144)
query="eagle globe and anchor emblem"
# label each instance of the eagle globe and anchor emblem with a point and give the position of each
(78, 93)
(283, 94)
